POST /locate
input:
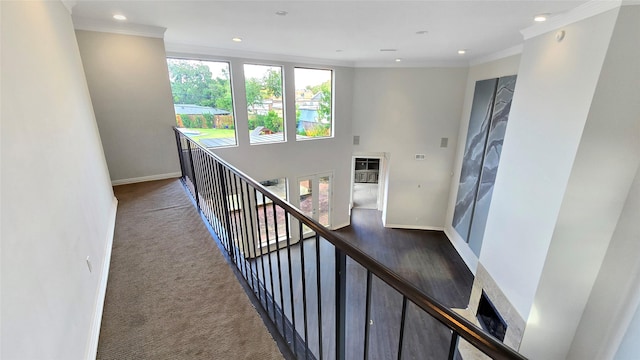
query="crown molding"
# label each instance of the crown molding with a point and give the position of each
(69, 4)
(514, 50)
(584, 11)
(212, 53)
(412, 64)
(83, 23)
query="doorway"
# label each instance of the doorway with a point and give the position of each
(365, 192)
(315, 199)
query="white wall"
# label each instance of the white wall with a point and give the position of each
(129, 85)
(494, 69)
(616, 293)
(556, 83)
(403, 112)
(604, 168)
(629, 348)
(57, 203)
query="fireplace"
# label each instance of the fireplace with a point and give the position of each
(490, 319)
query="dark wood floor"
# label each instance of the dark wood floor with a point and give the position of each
(425, 258)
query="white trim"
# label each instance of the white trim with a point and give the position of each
(189, 50)
(69, 4)
(584, 11)
(411, 64)
(514, 50)
(414, 227)
(83, 23)
(465, 252)
(341, 226)
(94, 336)
(146, 178)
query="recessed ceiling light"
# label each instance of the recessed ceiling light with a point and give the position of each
(540, 17)
(462, 51)
(388, 49)
(237, 39)
(398, 60)
(119, 17)
(421, 32)
(281, 13)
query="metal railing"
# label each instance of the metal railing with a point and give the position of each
(322, 294)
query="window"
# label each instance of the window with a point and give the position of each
(313, 103)
(265, 110)
(202, 101)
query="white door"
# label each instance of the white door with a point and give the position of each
(315, 199)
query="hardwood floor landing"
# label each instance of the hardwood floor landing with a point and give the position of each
(425, 258)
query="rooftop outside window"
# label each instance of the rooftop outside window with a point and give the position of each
(314, 99)
(203, 101)
(265, 110)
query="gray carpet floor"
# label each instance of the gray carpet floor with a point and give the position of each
(170, 293)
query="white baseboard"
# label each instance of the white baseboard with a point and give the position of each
(340, 226)
(463, 249)
(413, 227)
(94, 336)
(146, 178)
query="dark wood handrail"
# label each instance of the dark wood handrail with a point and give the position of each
(454, 321)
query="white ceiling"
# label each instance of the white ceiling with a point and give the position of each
(343, 32)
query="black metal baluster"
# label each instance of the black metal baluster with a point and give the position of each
(275, 228)
(234, 229)
(266, 228)
(341, 302)
(208, 197)
(196, 174)
(319, 294)
(195, 186)
(212, 202)
(215, 201)
(293, 309)
(199, 176)
(453, 345)
(402, 320)
(264, 276)
(218, 196)
(225, 204)
(304, 292)
(221, 208)
(247, 249)
(180, 155)
(367, 317)
(238, 216)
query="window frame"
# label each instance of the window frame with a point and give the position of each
(332, 123)
(169, 56)
(284, 100)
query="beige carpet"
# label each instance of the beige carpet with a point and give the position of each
(171, 294)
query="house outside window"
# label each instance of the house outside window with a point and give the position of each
(314, 103)
(265, 105)
(203, 101)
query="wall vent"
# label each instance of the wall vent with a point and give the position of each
(356, 140)
(419, 157)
